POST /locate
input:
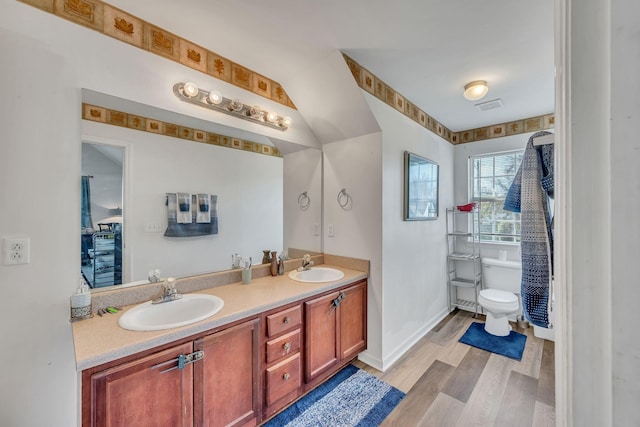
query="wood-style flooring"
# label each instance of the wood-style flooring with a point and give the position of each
(452, 384)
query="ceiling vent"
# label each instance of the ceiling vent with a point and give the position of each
(490, 105)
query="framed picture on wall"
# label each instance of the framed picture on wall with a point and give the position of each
(420, 188)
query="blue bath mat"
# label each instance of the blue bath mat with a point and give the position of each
(351, 398)
(510, 346)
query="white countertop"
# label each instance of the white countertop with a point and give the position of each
(99, 339)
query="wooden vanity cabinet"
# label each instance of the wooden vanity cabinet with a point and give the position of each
(245, 372)
(335, 331)
(282, 359)
(227, 378)
(141, 392)
(220, 389)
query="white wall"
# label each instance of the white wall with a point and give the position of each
(39, 170)
(413, 252)
(625, 205)
(603, 202)
(250, 201)
(302, 226)
(589, 219)
(356, 165)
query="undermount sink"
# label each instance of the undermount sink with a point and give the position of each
(317, 275)
(191, 308)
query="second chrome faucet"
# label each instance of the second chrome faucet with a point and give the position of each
(169, 292)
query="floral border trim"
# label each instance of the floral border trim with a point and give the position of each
(375, 86)
(146, 124)
(120, 25)
(385, 93)
(531, 124)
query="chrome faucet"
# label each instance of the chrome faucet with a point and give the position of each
(306, 263)
(169, 292)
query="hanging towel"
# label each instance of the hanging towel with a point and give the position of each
(527, 196)
(183, 208)
(192, 228)
(203, 207)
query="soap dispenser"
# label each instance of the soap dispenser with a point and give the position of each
(81, 302)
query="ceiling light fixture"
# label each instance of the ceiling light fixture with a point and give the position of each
(475, 90)
(189, 92)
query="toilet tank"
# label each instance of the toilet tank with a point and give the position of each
(504, 275)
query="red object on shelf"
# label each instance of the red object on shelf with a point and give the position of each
(466, 208)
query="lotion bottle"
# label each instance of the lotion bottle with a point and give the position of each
(81, 302)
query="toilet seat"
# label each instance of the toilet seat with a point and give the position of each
(498, 296)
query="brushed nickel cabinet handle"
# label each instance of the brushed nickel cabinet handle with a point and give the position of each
(286, 376)
(286, 320)
(287, 346)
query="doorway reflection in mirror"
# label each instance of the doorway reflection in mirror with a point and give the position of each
(101, 215)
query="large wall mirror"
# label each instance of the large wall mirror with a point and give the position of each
(258, 199)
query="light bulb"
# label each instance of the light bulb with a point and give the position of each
(235, 105)
(255, 112)
(286, 122)
(272, 117)
(214, 97)
(190, 89)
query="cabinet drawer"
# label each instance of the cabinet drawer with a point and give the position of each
(283, 321)
(283, 346)
(283, 378)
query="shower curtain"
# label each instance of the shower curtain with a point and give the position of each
(528, 194)
(86, 220)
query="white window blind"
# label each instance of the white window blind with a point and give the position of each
(491, 176)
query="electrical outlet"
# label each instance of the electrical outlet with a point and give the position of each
(316, 229)
(331, 230)
(15, 250)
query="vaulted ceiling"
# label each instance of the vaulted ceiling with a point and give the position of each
(427, 50)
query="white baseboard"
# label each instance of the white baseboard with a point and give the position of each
(392, 358)
(367, 358)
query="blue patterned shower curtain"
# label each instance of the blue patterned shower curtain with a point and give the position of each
(528, 194)
(86, 220)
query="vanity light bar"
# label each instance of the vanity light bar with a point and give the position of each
(189, 92)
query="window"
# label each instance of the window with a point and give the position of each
(491, 177)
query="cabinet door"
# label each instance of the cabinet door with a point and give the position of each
(226, 380)
(352, 314)
(321, 339)
(139, 393)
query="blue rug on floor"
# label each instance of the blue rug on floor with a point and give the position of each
(511, 345)
(350, 398)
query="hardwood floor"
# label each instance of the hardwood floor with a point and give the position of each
(452, 384)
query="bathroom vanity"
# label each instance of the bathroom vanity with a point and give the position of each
(274, 340)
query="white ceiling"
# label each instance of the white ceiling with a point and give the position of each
(425, 49)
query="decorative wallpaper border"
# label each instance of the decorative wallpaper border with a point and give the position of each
(120, 25)
(146, 124)
(375, 86)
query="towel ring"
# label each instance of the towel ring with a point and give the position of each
(304, 200)
(343, 198)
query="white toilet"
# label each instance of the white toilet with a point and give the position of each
(499, 298)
